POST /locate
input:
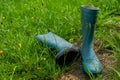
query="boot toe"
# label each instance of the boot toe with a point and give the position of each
(93, 66)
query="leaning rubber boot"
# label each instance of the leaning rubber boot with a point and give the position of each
(90, 61)
(67, 52)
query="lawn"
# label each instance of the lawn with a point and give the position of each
(23, 58)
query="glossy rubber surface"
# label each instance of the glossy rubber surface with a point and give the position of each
(90, 61)
(67, 52)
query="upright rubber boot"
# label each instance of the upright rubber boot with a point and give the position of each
(90, 61)
(67, 52)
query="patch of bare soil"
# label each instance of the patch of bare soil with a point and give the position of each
(75, 71)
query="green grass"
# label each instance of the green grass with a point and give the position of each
(23, 58)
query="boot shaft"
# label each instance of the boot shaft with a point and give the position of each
(89, 17)
(54, 41)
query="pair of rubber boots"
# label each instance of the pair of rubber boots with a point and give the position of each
(67, 52)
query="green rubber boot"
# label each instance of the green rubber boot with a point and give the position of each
(90, 61)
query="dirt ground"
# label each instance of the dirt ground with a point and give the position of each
(75, 71)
